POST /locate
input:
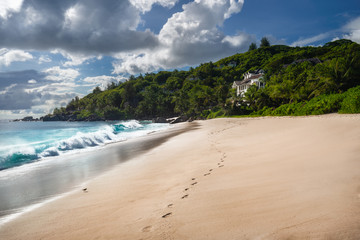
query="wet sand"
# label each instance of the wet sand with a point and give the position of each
(22, 187)
(263, 178)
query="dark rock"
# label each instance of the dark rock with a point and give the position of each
(179, 119)
(71, 118)
(28, 119)
(49, 118)
(159, 120)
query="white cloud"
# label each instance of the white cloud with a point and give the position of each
(307, 41)
(61, 74)
(188, 38)
(32, 81)
(8, 56)
(353, 29)
(89, 27)
(235, 40)
(44, 59)
(79, 33)
(103, 81)
(36, 92)
(146, 5)
(11, 114)
(74, 59)
(349, 31)
(9, 6)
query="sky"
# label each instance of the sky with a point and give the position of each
(54, 50)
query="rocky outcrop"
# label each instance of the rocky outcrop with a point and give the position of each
(159, 120)
(26, 119)
(49, 118)
(71, 118)
(179, 119)
(170, 120)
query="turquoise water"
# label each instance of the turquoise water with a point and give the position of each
(40, 161)
(28, 142)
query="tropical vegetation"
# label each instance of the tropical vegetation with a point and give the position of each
(299, 81)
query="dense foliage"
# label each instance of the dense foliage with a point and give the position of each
(347, 102)
(299, 81)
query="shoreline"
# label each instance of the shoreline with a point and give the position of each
(83, 167)
(266, 178)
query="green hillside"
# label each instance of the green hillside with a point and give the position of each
(299, 81)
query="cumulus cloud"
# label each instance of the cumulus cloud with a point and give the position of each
(12, 85)
(44, 59)
(353, 29)
(8, 56)
(61, 74)
(16, 99)
(145, 5)
(7, 7)
(188, 38)
(73, 59)
(84, 29)
(103, 81)
(77, 26)
(32, 81)
(36, 91)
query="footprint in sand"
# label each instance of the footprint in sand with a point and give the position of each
(210, 170)
(206, 174)
(147, 229)
(166, 215)
(193, 179)
(221, 165)
(170, 205)
(186, 189)
(194, 183)
(185, 196)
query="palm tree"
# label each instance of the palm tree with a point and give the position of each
(250, 95)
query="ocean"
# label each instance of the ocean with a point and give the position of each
(39, 161)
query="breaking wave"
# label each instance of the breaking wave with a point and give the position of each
(34, 151)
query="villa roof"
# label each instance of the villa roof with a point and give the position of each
(237, 83)
(247, 80)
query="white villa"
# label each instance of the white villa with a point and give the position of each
(250, 78)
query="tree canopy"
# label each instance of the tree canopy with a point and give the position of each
(264, 42)
(252, 46)
(294, 76)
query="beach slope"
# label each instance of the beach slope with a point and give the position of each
(262, 178)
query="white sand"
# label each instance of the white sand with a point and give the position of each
(264, 178)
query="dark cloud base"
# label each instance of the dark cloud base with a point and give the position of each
(82, 26)
(18, 94)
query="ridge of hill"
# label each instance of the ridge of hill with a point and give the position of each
(299, 81)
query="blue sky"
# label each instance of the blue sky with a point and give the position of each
(52, 51)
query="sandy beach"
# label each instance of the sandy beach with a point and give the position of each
(261, 178)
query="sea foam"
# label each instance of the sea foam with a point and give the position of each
(84, 138)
